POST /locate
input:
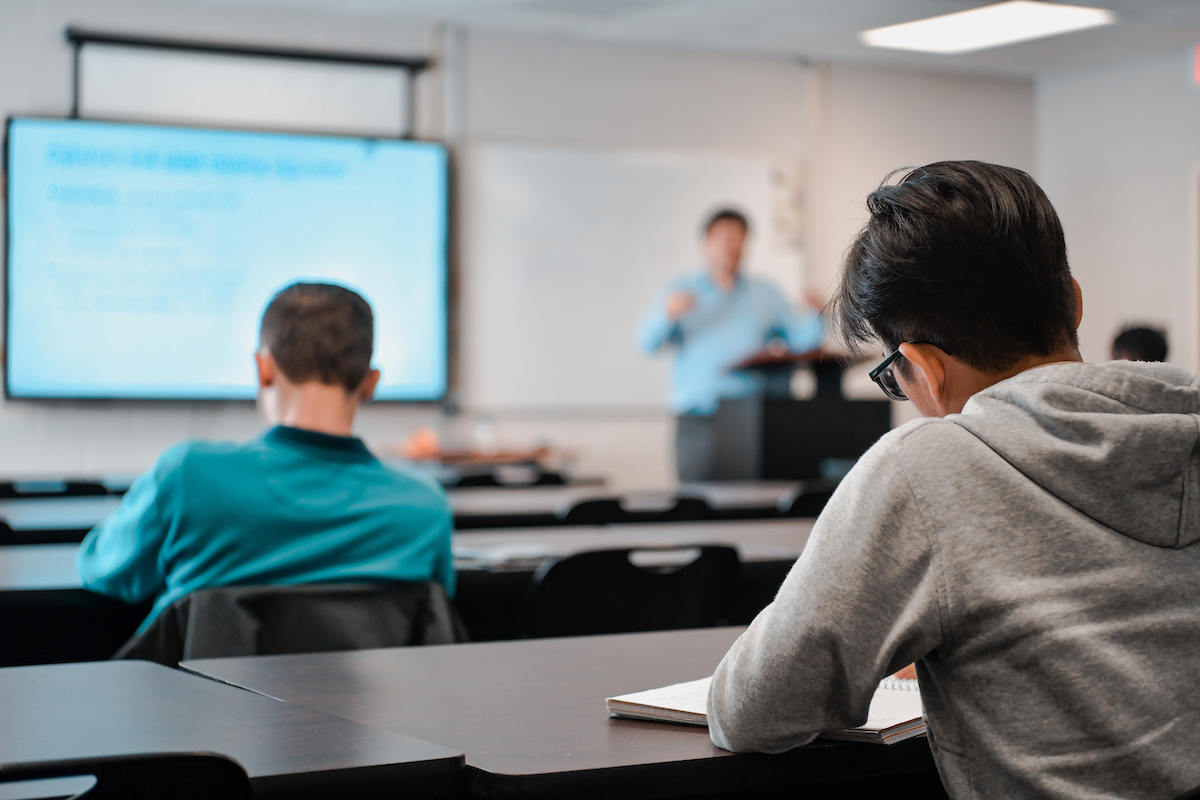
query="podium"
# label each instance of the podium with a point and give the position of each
(773, 436)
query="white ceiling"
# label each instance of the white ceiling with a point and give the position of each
(815, 29)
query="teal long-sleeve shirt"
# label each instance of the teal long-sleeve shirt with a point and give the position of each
(723, 328)
(292, 506)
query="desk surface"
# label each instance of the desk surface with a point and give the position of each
(759, 540)
(57, 513)
(530, 714)
(547, 500)
(117, 707)
(35, 567)
(722, 495)
(51, 567)
(43, 514)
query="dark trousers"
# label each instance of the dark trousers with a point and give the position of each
(696, 447)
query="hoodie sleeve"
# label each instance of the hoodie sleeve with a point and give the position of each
(862, 602)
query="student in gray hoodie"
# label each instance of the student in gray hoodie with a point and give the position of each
(1030, 544)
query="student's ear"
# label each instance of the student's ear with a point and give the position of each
(266, 368)
(366, 389)
(1078, 303)
(929, 363)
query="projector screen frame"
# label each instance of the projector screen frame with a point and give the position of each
(444, 399)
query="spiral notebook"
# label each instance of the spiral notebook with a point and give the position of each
(895, 713)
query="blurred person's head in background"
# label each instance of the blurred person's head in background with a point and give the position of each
(724, 240)
(1140, 344)
(316, 341)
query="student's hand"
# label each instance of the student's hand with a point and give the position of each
(422, 444)
(679, 304)
(909, 673)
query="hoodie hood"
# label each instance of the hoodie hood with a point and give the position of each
(1117, 442)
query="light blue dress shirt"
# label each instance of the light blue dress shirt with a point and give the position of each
(722, 329)
(292, 506)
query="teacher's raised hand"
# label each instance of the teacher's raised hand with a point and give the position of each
(680, 303)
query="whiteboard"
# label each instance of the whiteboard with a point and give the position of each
(565, 248)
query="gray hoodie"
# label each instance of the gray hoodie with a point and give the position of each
(1036, 555)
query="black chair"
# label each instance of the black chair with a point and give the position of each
(613, 511)
(151, 776)
(603, 591)
(809, 499)
(272, 620)
(593, 511)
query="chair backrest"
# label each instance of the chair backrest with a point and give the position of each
(233, 621)
(149, 776)
(593, 511)
(603, 591)
(809, 499)
(686, 509)
(613, 511)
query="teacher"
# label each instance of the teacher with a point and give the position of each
(715, 318)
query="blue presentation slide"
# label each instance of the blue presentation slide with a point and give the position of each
(140, 258)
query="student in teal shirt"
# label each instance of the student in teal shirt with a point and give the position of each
(306, 502)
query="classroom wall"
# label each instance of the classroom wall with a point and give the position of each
(875, 121)
(35, 78)
(869, 122)
(1119, 156)
(848, 125)
(559, 92)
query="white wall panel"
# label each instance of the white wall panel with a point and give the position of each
(1119, 157)
(259, 93)
(565, 249)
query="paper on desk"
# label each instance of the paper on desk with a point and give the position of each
(679, 702)
(895, 713)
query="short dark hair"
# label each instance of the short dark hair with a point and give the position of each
(966, 255)
(320, 332)
(727, 214)
(1141, 344)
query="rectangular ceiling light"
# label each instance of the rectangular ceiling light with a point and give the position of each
(987, 26)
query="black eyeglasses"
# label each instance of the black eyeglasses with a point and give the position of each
(885, 377)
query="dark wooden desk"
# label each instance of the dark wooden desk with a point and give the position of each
(45, 616)
(45, 520)
(743, 496)
(121, 707)
(59, 520)
(537, 506)
(756, 540)
(495, 569)
(530, 715)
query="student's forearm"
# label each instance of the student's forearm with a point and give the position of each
(120, 557)
(861, 602)
(116, 569)
(750, 708)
